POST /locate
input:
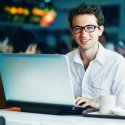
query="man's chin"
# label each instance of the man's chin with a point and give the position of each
(83, 47)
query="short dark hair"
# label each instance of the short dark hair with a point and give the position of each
(3, 36)
(22, 39)
(87, 9)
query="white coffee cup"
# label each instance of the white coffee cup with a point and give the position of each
(107, 104)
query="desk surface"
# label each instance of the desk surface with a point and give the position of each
(21, 118)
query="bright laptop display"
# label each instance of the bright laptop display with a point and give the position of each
(42, 79)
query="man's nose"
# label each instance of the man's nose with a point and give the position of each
(83, 33)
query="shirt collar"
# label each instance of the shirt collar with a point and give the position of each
(100, 57)
(77, 57)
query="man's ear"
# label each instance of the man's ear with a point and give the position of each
(101, 30)
(71, 30)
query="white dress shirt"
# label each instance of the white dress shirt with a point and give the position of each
(104, 75)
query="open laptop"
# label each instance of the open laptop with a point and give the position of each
(38, 83)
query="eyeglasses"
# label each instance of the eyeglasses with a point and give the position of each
(87, 28)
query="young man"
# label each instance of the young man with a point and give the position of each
(95, 70)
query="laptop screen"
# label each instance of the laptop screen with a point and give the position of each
(40, 78)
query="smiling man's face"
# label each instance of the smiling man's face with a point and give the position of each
(86, 40)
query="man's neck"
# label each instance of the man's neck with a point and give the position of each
(88, 55)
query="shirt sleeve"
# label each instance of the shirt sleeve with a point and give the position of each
(119, 84)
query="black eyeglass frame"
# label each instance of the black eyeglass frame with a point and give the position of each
(84, 27)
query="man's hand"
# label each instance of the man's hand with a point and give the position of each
(83, 102)
(31, 49)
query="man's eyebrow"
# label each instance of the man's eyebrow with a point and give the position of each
(85, 25)
(77, 26)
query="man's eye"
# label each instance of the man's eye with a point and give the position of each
(77, 28)
(89, 27)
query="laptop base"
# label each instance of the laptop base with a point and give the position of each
(55, 110)
(45, 108)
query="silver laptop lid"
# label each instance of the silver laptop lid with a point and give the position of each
(42, 78)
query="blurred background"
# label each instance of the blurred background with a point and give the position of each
(45, 23)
